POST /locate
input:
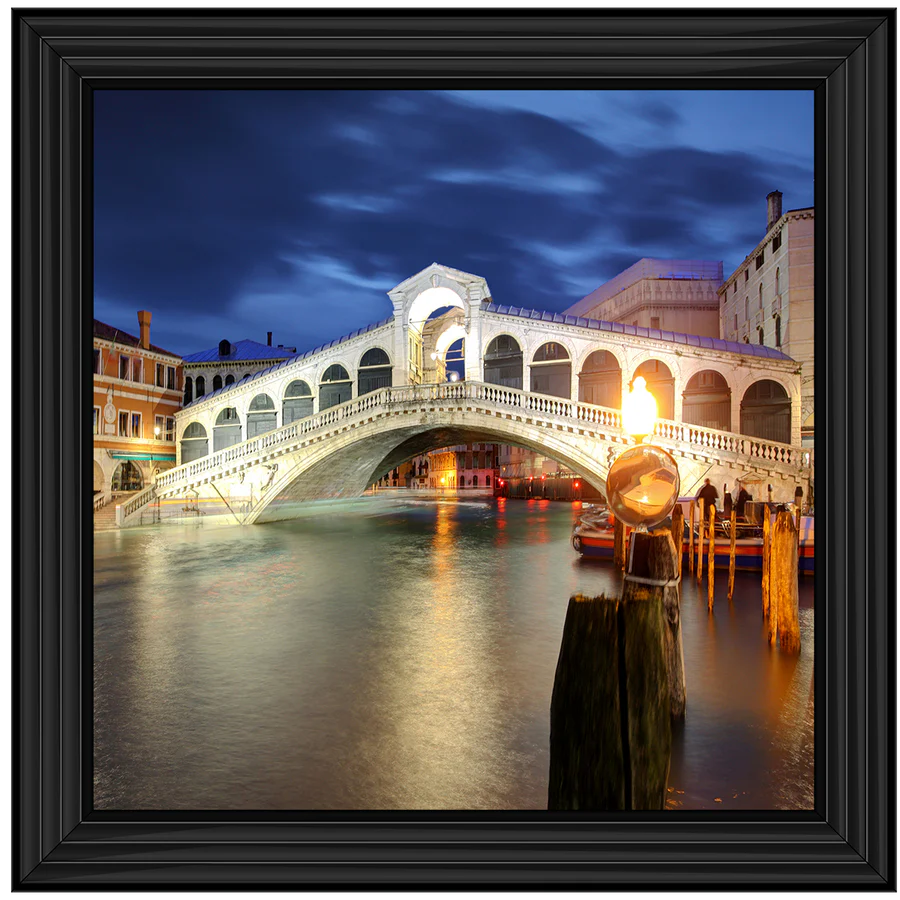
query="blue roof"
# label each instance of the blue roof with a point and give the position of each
(676, 337)
(242, 351)
(296, 357)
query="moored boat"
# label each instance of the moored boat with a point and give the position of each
(594, 537)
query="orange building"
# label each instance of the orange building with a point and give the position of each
(138, 388)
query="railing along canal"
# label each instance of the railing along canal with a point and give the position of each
(570, 411)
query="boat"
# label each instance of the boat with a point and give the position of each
(594, 537)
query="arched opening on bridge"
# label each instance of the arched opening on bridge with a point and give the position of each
(298, 402)
(551, 371)
(335, 387)
(217, 383)
(127, 477)
(660, 383)
(600, 380)
(430, 304)
(194, 443)
(227, 430)
(766, 412)
(375, 371)
(229, 380)
(707, 401)
(503, 363)
(261, 416)
(188, 390)
(200, 386)
(450, 352)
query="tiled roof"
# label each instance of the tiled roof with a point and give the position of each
(242, 351)
(676, 337)
(117, 336)
(291, 359)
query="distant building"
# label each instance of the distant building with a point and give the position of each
(461, 467)
(137, 391)
(227, 363)
(769, 300)
(665, 294)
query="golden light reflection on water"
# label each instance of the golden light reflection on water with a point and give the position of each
(402, 658)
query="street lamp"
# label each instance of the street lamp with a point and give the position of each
(639, 411)
(643, 483)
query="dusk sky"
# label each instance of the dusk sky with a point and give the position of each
(228, 214)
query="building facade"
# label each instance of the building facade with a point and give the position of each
(769, 298)
(461, 467)
(661, 294)
(137, 392)
(225, 364)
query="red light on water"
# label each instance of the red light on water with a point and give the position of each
(543, 477)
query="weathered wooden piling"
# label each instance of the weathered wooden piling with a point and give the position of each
(768, 612)
(731, 554)
(610, 728)
(784, 589)
(701, 523)
(798, 502)
(655, 560)
(619, 544)
(678, 534)
(691, 539)
(711, 577)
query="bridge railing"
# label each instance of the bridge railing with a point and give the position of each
(573, 411)
(133, 504)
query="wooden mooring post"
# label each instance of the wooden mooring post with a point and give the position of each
(766, 525)
(678, 534)
(619, 544)
(691, 538)
(701, 522)
(711, 576)
(783, 587)
(618, 670)
(731, 554)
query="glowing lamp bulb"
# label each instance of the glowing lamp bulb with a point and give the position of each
(639, 410)
(577, 484)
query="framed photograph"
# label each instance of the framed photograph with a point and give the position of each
(62, 54)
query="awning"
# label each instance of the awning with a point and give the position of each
(145, 456)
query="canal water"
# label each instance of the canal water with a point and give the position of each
(395, 653)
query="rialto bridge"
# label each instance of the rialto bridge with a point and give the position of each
(329, 422)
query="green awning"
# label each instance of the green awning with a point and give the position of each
(144, 456)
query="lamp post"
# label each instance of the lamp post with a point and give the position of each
(639, 411)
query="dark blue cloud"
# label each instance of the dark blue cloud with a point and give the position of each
(229, 214)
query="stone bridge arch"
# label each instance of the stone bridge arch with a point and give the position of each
(347, 464)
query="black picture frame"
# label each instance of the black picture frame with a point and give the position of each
(847, 57)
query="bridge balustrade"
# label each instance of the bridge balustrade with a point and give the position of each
(570, 411)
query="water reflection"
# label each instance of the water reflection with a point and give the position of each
(399, 656)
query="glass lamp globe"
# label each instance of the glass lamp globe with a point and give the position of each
(643, 486)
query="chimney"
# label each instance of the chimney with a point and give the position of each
(144, 322)
(773, 201)
(269, 338)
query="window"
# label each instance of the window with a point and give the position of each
(170, 377)
(776, 242)
(123, 424)
(200, 385)
(654, 322)
(217, 382)
(759, 331)
(136, 430)
(159, 375)
(96, 419)
(746, 308)
(735, 323)
(188, 390)
(229, 379)
(746, 274)
(98, 363)
(777, 331)
(746, 339)
(124, 367)
(760, 259)
(170, 428)
(487, 480)
(159, 426)
(777, 281)
(760, 298)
